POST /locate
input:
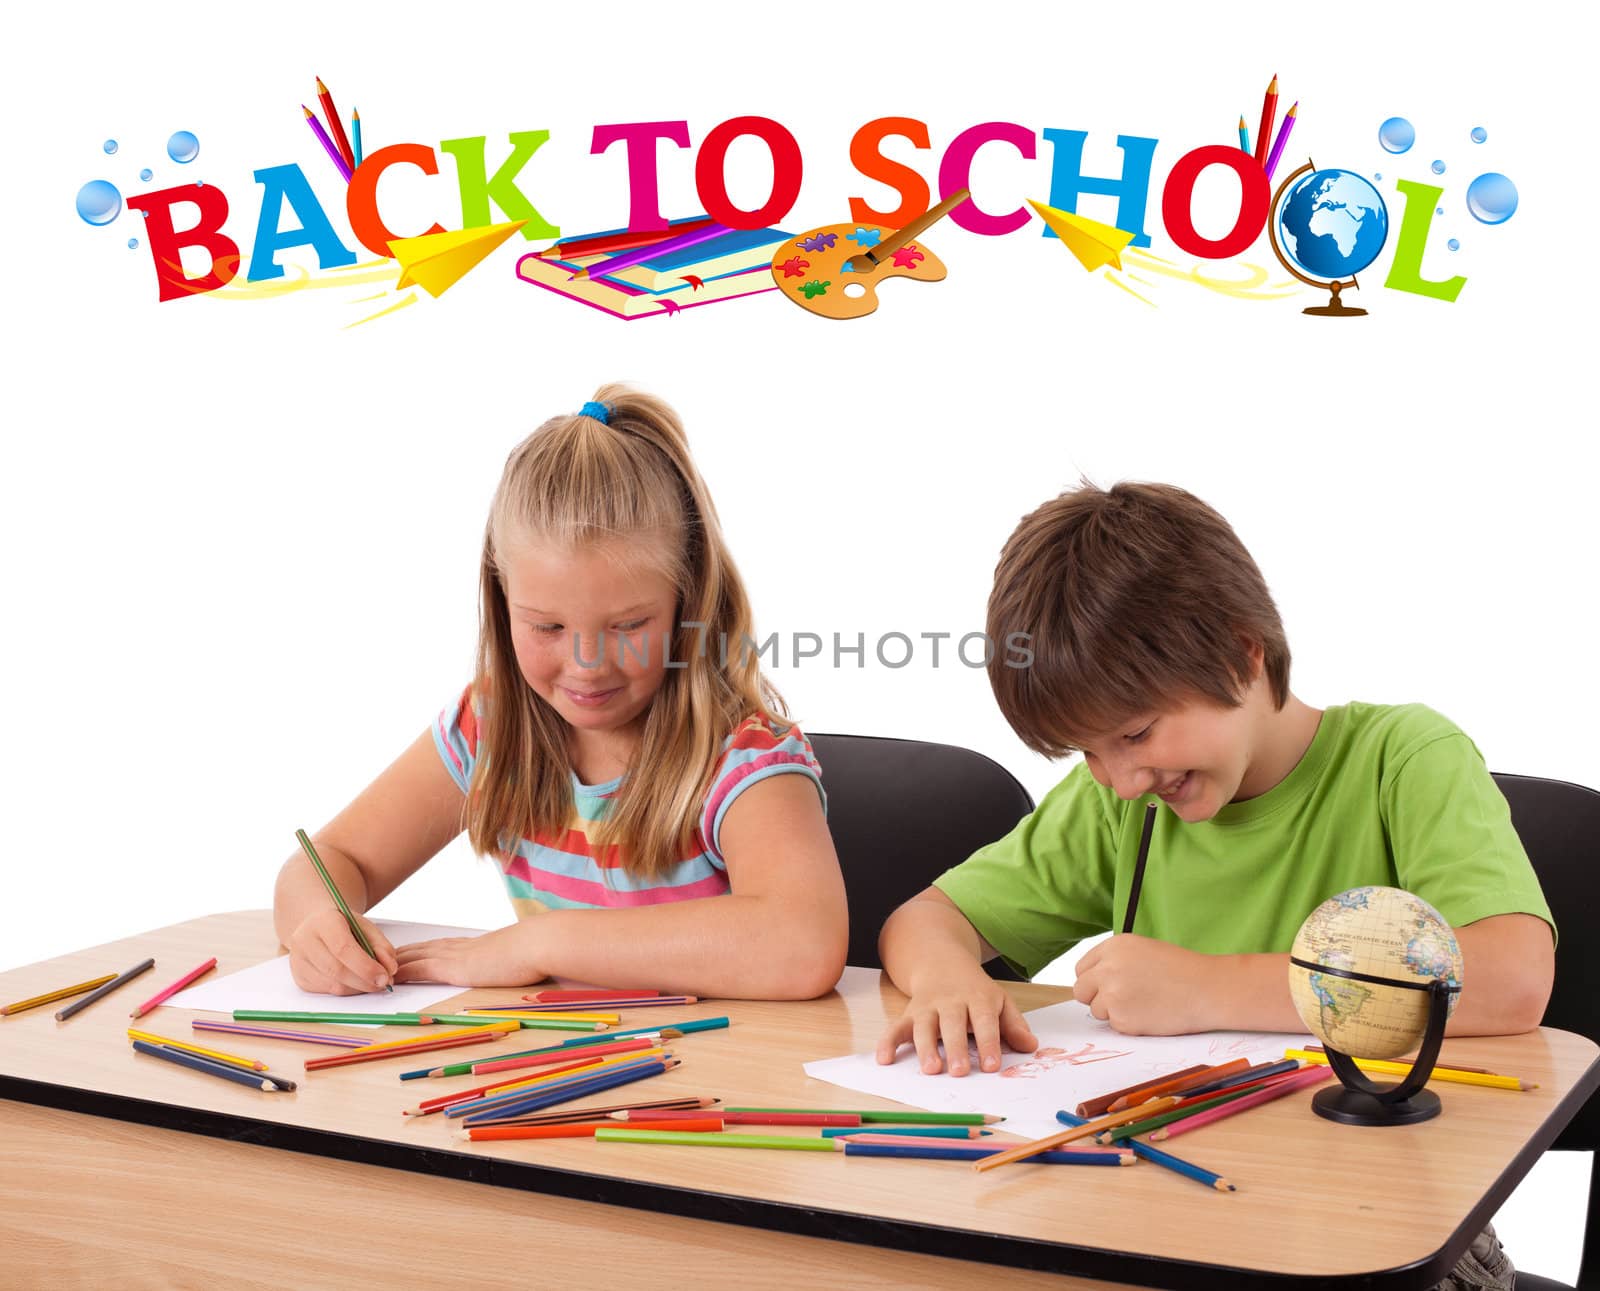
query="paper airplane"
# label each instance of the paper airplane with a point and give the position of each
(436, 261)
(1093, 243)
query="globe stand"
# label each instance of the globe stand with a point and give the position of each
(1334, 308)
(1360, 1101)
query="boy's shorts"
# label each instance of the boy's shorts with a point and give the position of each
(1485, 1267)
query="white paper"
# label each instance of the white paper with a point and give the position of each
(270, 986)
(1079, 1058)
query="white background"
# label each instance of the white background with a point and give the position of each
(240, 540)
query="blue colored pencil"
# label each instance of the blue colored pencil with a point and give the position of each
(355, 142)
(912, 1131)
(976, 1151)
(278, 1082)
(1159, 1157)
(1244, 134)
(546, 1087)
(585, 1088)
(683, 1028)
(196, 1063)
(1259, 1072)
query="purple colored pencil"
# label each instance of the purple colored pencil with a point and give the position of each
(598, 1006)
(316, 129)
(273, 1033)
(627, 259)
(1283, 138)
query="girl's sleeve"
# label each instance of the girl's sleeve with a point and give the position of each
(455, 735)
(752, 753)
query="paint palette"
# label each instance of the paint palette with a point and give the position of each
(826, 272)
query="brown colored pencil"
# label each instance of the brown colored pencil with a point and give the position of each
(1176, 1085)
(591, 1113)
(1098, 1106)
(50, 997)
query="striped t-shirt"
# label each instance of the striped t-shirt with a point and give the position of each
(562, 870)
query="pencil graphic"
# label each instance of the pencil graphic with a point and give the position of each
(355, 130)
(1244, 134)
(1269, 109)
(335, 125)
(322, 136)
(1283, 138)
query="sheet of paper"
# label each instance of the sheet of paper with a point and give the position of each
(1078, 1058)
(269, 985)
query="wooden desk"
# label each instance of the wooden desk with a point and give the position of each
(115, 1198)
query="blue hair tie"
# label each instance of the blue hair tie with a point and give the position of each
(599, 411)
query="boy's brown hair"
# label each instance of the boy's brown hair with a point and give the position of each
(1135, 598)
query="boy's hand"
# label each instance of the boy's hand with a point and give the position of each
(945, 1008)
(500, 958)
(1147, 987)
(326, 959)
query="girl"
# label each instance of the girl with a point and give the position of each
(658, 823)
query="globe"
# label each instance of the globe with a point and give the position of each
(1359, 969)
(1331, 223)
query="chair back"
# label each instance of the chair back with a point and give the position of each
(901, 813)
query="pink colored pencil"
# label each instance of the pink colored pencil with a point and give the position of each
(322, 135)
(566, 1054)
(1288, 1085)
(172, 990)
(276, 1033)
(580, 997)
(629, 1002)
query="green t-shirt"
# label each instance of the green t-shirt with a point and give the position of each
(1388, 795)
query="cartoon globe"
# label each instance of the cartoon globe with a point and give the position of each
(1326, 226)
(1361, 969)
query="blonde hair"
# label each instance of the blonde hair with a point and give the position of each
(626, 481)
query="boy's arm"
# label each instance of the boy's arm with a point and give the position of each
(936, 957)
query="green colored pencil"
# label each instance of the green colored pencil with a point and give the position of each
(528, 1024)
(713, 1140)
(338, 899)
(388, 1019)
(884, 1118)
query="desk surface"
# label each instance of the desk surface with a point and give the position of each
(1415, 1194)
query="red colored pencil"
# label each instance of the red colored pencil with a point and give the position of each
(172, 990)
(1269, 109)
(335, 125)
(606, 243)
(572, 1130)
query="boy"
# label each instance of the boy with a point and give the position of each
(1159, 654)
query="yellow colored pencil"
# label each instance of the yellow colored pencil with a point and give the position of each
(612, 1018)
(149, 1037)
(51, 996)
(1383, 1067)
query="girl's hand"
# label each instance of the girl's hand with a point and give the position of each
(500, 958)
(944, 1009)
(1147, 987)
(325, 959)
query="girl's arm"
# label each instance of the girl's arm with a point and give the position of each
(781, 933)
(389, 832)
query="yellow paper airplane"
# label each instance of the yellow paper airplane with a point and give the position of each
(1093, 243)
(436, 261)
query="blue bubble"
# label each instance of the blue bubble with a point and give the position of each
(1438, 210)
(1377, 176)
(99, 202)
(1453, 245)
(1438, 168)
(145, 174)
(1397, 134)
(1492, 198)
(110, 146)
(132, 243)
(183, 147)
(1479, 134)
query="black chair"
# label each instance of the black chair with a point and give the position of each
(901, 813)
(1559, 824)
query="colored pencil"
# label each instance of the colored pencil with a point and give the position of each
(571, 1130)
(172, 990)
(1269, 109)
(216, 1055)
(1166, 1116)
(274, 1033)
(277, 1082)
(533, 1058)
(1244, 134)
(431, 1105)
(1302, 1079)
(305, 839)
(282, 1015)
(1283, 138)
(565, 1094)
(434, 1037)
(543, 1015)
(525, 1024)
(734, 1117)
(1098, 1106)
(327, 143)
(883, 1118)
(1452, 1075)
(606, 243)
(50, 997)
(586, 997)
(1411, 1058)
(1186, 1168)
(372, 1053)
(1249, 1076)
(781, 1142)
(975, 1152)
(672, 1032)
(567, 1115)
(627, 259)
(100, 992)
(933, 1141)
(641, 1002)
(1085, 1131)
(335, 125)
(910, 1131)
(1145, 834)
(518, 1092)
(195, 1063)
(355, 136)
(1178, 1084)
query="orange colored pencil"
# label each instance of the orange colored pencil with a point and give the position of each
(1085, 1131)
(1100, 1105)
(335, 126)
(1176, 1085)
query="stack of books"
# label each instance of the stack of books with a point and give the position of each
(693, 261)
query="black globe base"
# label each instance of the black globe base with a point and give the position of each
(1356, 1107)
